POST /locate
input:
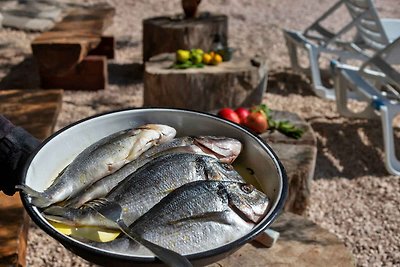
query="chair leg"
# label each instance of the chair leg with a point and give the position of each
(346, 88)
(319, 89)
(292, 50)
(388, 112)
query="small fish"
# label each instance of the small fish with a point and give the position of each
(224, 148)
(98, 160)
(147, 186)
(198, 216)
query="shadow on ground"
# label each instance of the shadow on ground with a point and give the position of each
(350, 149)
(125, 74)
(24, 75)
(286, 82)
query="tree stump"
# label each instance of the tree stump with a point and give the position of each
(301, 243)
(168, 34)
(298, 157)
(239, 82)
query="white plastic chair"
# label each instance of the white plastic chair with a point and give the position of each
(377, 83)
(373, 33)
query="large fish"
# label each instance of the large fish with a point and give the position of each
(147, 186)
(100, 159)
(196, 217)
(224, 148)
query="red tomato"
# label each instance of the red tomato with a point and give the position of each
(242, 113)
(229, 114)
(257, 121)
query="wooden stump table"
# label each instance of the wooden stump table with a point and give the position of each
(168, 34)
(298, 157)
(239, 82)
(36, 111)
(301, 243)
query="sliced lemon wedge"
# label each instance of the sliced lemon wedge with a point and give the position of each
(92, 233)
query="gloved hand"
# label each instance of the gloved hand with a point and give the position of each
(15, 149)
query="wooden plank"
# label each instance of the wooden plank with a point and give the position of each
(90, 74)
(37, 112)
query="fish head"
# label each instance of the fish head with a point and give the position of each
(248, 202)
(224, 148)
(166, 132)
(222, 171)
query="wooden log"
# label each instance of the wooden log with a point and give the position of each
(168, 34)
(71, 40)
(90, 74)
(233, 83)
(14, 225)
(59, 52)
(36, 111)
(301, 243)
(106, 47)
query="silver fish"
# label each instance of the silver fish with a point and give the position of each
(224, 148)
(100, 159)
(147, 186)
(198, 216)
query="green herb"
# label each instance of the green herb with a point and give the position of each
(284, 127)
(186, 65)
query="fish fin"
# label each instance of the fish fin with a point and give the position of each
(215, 216)
(38, 199)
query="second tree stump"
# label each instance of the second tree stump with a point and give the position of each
(239, 82)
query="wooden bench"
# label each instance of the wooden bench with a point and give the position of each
(73, 54)
(36, 111)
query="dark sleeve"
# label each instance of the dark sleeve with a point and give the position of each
(16, 144)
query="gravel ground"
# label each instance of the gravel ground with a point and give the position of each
(352, 194)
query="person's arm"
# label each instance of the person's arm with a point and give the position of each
(16, 145)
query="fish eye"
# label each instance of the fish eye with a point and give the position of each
(247, 188)
(227, 166)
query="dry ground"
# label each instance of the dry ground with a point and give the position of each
(352, 194)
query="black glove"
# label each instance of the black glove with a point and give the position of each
(15, 148)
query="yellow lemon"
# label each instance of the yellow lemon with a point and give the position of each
(207, 58)
(92, 233)
(182, 55)
(216, 59)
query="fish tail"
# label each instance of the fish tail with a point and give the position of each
(38, 199)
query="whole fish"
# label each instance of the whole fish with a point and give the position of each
(147, 186)
(224, 148)
(197, 217)
(100, 159)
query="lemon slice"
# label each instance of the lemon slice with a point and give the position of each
(92, 233)
(62, 228)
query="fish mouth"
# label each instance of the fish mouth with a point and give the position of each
(226, 154)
